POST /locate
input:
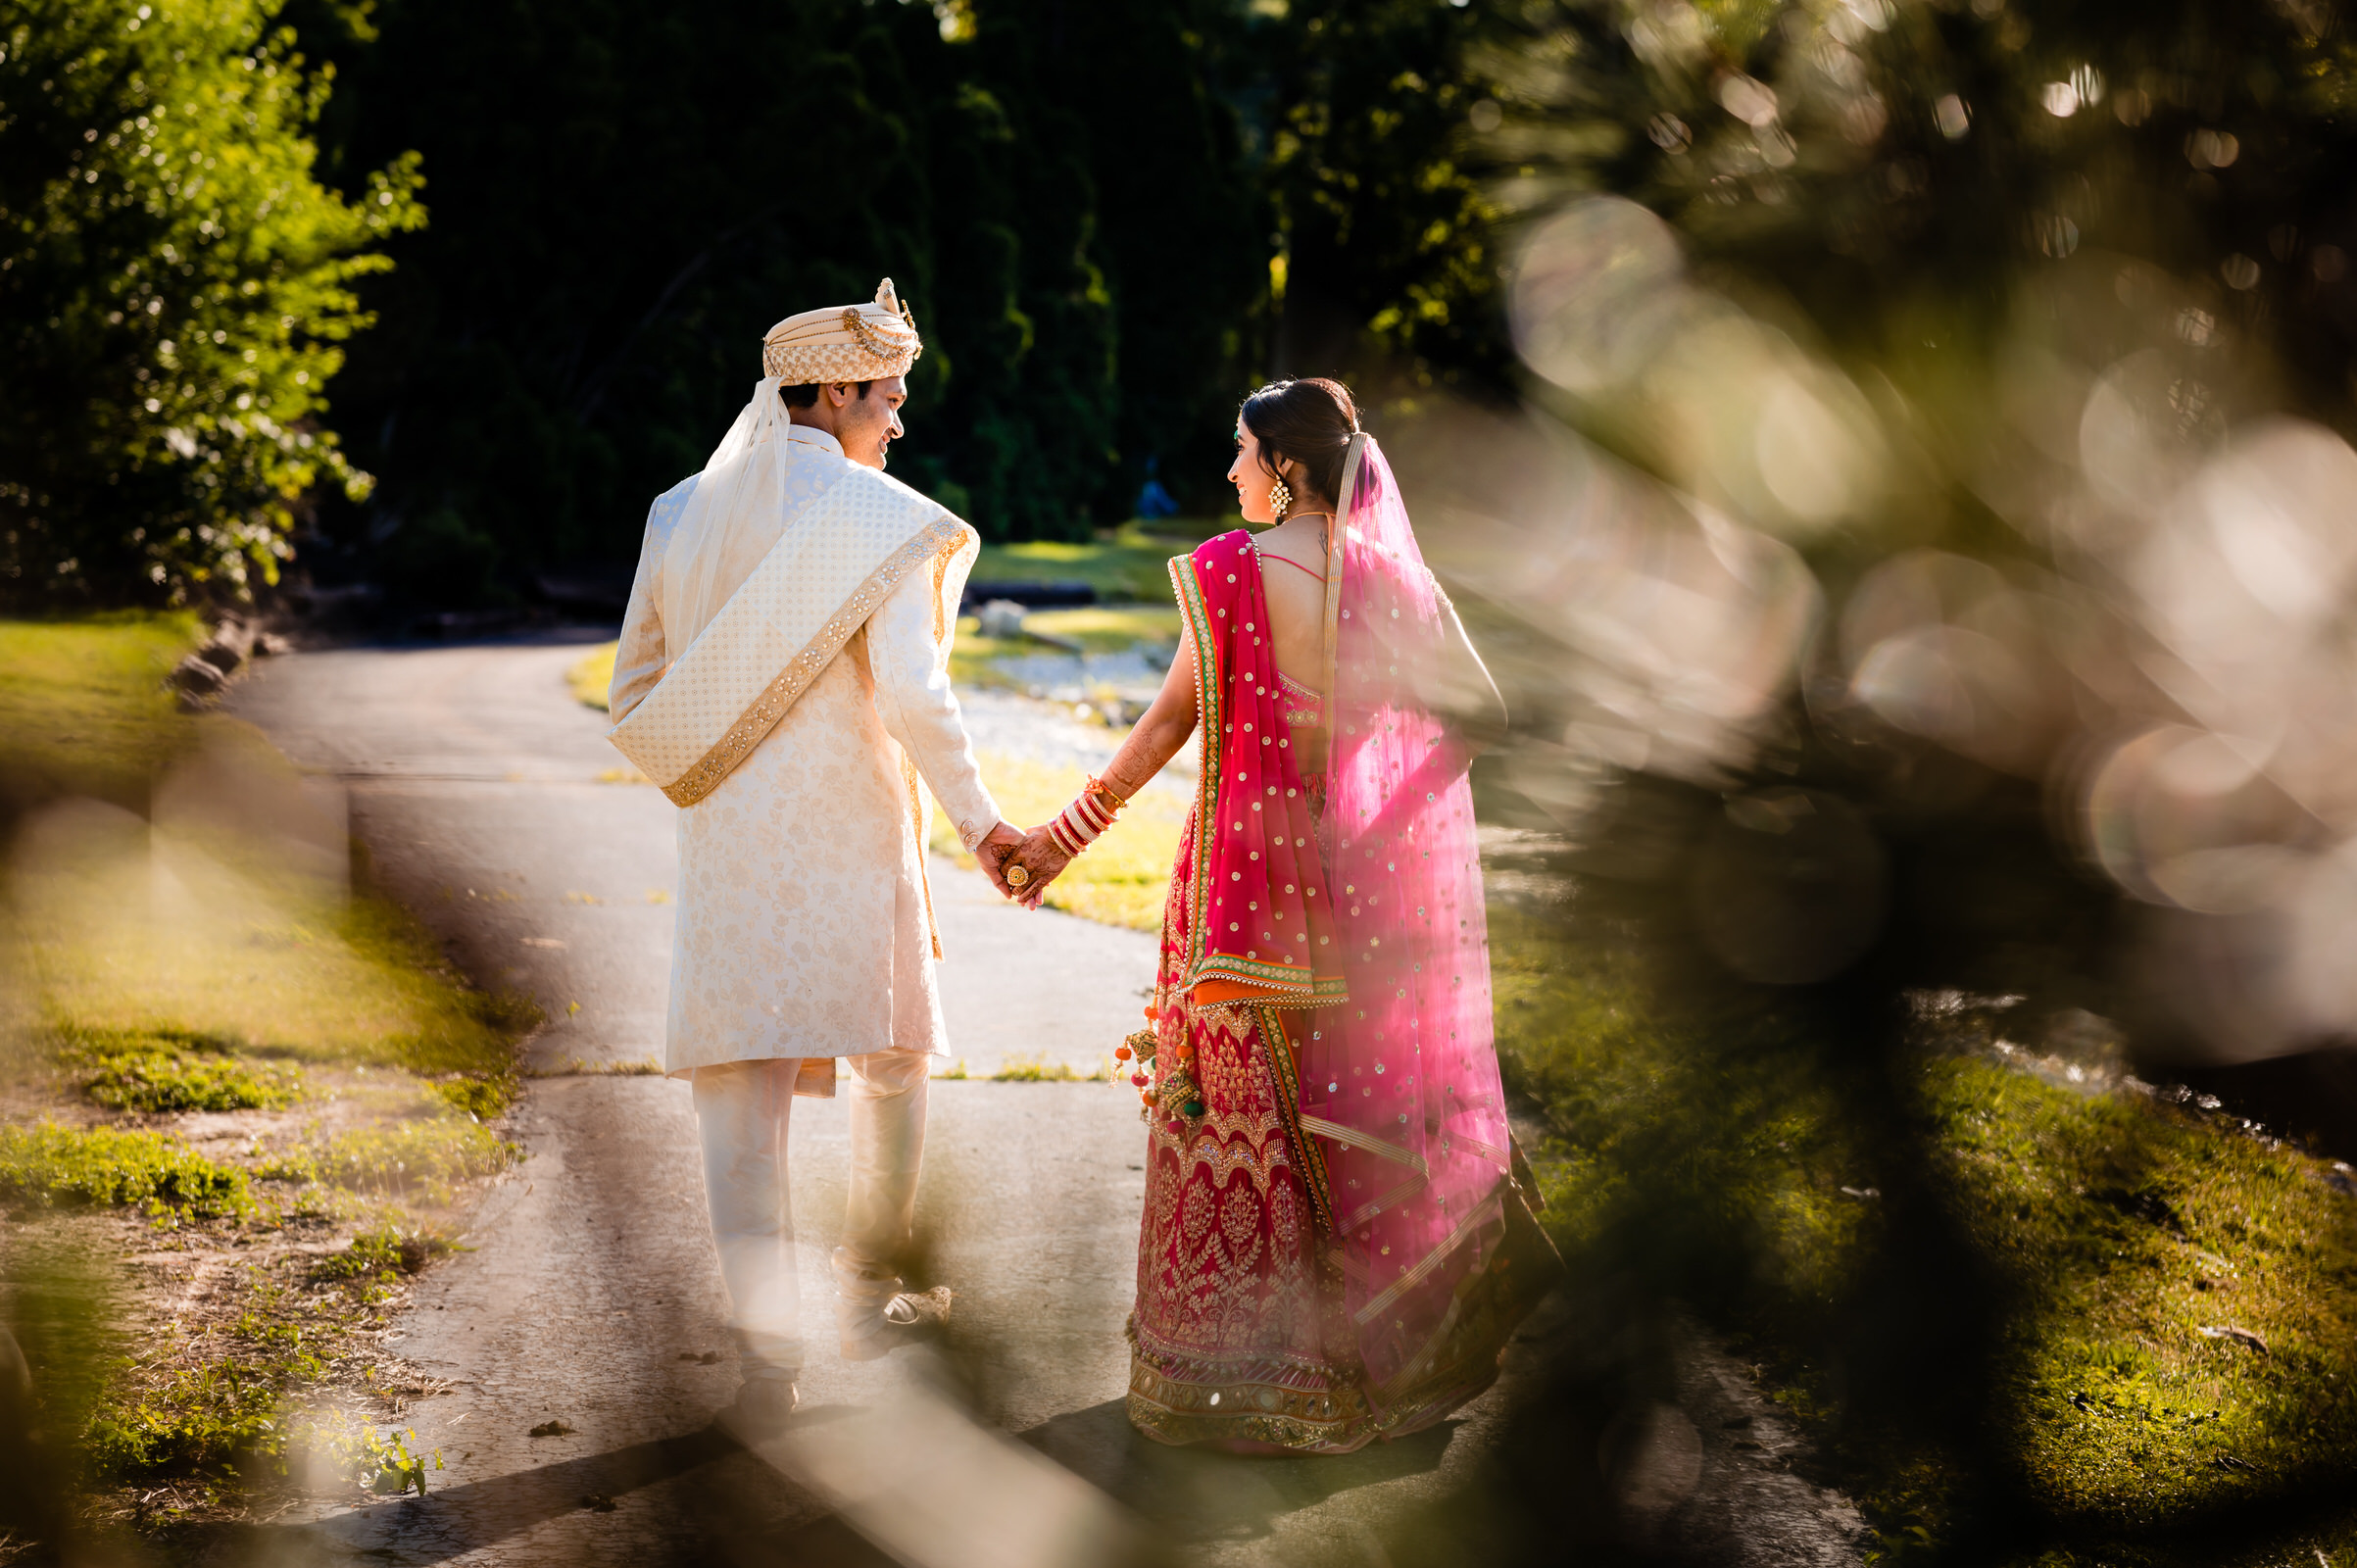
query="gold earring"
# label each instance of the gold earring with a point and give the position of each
(1280, 496)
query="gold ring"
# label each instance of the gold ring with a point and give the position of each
(1018, 876)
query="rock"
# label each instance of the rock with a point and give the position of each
(1001, 618)
(197, 679)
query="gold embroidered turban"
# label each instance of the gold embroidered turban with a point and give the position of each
(851, 343)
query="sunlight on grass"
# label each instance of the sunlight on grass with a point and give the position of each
(1123, 878)
(126, 929)
(1111, 628)
(1034, 1070)
(2140, 1241)
(182, 924)
(52, 1165)
(84, 709)
(2133, 1227)
(1127, 565)
(592, 675)
(159, 1071)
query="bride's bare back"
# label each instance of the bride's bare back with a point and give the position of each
(1293, 577)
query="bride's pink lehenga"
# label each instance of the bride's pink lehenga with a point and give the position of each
(1334, 1247)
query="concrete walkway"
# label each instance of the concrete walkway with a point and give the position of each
(592, 1296)
(592, 1291)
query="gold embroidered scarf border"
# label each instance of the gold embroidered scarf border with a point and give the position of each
(938, 539)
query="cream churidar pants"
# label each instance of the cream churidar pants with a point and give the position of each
(742, 1110)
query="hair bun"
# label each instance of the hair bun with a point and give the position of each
(1311, 420)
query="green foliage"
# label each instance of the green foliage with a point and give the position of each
(483, 1097)
(1917, 170)
(50, 1164)
(385, 1253)
(1128, 565)
(1389, 257)
(159, 1071)
(174, 288)
(572, 332)
(200, 1417)
(422, 1160)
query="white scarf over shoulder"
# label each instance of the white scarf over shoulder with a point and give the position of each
(750, 656)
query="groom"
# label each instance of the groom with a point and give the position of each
(783, 675)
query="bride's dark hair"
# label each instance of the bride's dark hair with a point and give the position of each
(1311, 421)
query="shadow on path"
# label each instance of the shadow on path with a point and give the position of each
(1197, 1494)
(744, 1512)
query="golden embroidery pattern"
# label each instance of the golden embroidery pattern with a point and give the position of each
(761, 716)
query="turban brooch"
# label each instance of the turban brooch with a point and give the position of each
(848, 343)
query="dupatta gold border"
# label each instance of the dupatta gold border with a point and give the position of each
(1287, 1068)
(1337, 532)
(753, 726)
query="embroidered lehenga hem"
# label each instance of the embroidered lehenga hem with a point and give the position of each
(1180, 1396)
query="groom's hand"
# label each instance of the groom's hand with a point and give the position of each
(1043, 860)
(992, 855)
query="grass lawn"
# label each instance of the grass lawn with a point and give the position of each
(82, 705)
(1125, 565)
(2179, 1332)
(592, 676)
(236, 1081)
(1125, 875)
(976, 659)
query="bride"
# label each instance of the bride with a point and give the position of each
(1335, 1247)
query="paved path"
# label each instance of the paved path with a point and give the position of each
(475, 786)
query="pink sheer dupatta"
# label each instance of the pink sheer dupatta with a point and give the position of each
(1400, 1084)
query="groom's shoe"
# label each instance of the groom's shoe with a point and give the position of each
(761, 1411)
(906, 1318)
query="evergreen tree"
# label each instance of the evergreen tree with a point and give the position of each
(175, 290)
(626, 199)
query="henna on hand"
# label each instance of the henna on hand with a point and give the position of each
(1040, 857)
(992, 853)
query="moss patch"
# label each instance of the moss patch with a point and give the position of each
(160, 1071)
(423, 1160)
(2190, 1338)
(49, 1164)
(2146, 1251)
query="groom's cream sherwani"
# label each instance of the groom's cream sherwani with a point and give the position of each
(783, 676)
(805, 926)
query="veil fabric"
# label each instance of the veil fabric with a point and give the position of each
(1400, 1082)
(743, 499)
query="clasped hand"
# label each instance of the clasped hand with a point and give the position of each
(1034, 852)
